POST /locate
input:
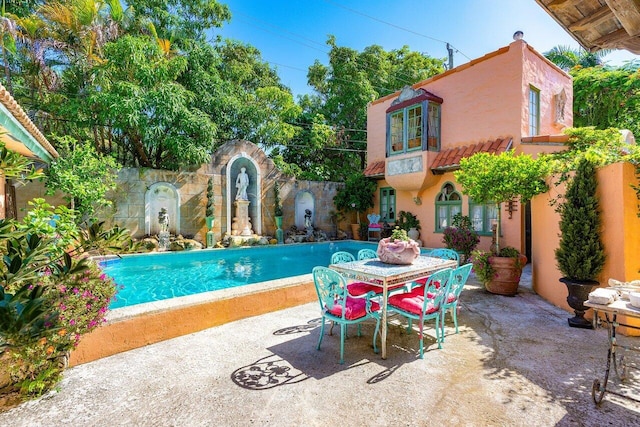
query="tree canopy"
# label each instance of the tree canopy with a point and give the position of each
(139, 81)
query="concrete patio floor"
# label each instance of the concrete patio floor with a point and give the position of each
(515, 362)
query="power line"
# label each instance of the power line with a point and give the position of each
(357, 12)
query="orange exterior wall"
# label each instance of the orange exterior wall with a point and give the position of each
(484, 99)
(620, 231)
(145, 329)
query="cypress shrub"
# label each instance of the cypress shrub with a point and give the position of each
(580, 255)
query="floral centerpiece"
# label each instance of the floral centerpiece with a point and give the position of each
(398, 248)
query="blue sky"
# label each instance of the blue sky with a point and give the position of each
(291, 34)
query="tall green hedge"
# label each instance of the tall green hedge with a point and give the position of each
(580, 255)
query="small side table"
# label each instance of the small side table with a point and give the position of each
(611, 312)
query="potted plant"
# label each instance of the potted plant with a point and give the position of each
(461, 237)
(580, 254)
(277, 206)
(490, 178)
(356, 196)
(398, 249)
(209, 217)
(410, 223)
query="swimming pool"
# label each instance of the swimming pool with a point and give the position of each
(153, 277)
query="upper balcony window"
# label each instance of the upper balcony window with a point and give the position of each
(413, 122)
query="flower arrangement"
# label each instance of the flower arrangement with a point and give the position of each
(461, 236)
(398, 248)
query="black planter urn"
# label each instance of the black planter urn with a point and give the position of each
(578, 294)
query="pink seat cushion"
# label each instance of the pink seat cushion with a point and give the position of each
(375, 225)
(412, 302)
(355, 308)
(361, 288)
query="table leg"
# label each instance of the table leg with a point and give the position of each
(383, 331)
(598, 388)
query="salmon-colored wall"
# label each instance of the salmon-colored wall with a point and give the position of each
(485, 99)
(620, 231)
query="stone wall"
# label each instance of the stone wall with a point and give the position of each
(128, 199)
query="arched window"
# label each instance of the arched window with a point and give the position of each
(448, 203)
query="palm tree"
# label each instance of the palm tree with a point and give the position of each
(566, 58)
(7, 42)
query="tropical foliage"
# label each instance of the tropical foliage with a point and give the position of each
(356, 195)
(490, 178)
(140, 82)
(567, 58)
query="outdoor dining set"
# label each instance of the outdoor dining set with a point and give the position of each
(352, 290)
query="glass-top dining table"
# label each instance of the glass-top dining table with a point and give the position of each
(378, 273)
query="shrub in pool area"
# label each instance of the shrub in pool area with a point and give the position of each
(50, 298)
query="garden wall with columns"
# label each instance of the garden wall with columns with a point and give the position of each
(142, 192)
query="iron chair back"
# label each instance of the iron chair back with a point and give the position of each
(424, 303)
(445, 254)
(459, 278)
(342, 256)
(338, 306)
(367, 254)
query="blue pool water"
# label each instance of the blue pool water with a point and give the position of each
(153, 277)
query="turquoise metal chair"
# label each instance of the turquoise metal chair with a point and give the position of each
(356, 288)
(445, 254)
(459, 277)
(423, 303)
(342, 256)
(375, 228)
(367, 254)
(338, 306)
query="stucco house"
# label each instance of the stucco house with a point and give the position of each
(509, 99)
(19, 134)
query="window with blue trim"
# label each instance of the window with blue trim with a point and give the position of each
(448, 203)
(413, 126)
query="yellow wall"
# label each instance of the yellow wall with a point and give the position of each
(620, 231)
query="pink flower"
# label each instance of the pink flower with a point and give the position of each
(72, 322)
(76, 291)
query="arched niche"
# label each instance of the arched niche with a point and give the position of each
(254, 195)
(304, 200)
(161, 195)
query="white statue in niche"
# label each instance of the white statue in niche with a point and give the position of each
(242, 182)
(163, 220)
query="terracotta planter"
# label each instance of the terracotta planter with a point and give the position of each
(506, 277)
(398, 251)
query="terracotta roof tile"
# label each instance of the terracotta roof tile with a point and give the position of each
(374, 169)
(10, 104)
(450, 159)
